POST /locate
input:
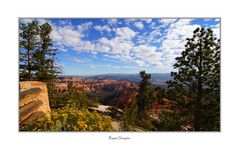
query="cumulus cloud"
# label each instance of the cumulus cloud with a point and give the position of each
(66, 35)
(125, 33)
(110, 66)
(117, 45)
(72, 37)
(139, 62)
(85, 26)
(103, 28)
(112, 21)
(147, 20)
(167, 22)
(174, 42)
(129, 20)
(148, 54)
(153, 47)
(139, 25)
(120, 57)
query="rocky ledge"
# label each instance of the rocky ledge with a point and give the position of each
(33, 100)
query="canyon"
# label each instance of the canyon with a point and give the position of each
(92, 85)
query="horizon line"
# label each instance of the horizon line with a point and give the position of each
(108, 74)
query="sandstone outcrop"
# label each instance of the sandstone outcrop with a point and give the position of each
(33, 100)
(91, 85)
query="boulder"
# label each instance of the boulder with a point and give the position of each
(28, 95)
(33, 116)
(30, 108)
(33, 100)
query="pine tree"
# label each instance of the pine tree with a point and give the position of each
(38, 56)
(129, 117)
(144, 96)
(45, 57)
(28, 43)
(196, 80)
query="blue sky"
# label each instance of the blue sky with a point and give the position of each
(124, 45)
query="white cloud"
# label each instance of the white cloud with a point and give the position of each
(72, 37)
(67, 36)
(62, 48)
(148, 54)
(175, 39)
(102, 48)
(139, 25)
(112, 21)
(109, 66)
(216, 30)
(25, 20)
(207, 19)
(92, 66)
(123, 47)
(120, 46)
(86, 46)
(85, 26)
(125, 33)
(42, 21)
(139, 62)
(80, 60)
(167, 22)
(39, 20)
(129, 20)
(117, 45)
(153, 25)
(148, 20)
(103, 28)
(120, 57)
(154, 36)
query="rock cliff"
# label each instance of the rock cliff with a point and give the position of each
(33, 101)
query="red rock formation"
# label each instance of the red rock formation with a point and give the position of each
(90, 85)
(122, 90)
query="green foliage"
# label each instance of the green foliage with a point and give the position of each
(28, 44)
(160, 93)
(45, 56)
(37, 55)
(129, 117)
(69, 119)
(197, 79)
(169, 121)
(71, 96)
(144, 96)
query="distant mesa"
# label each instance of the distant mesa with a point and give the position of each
(156, 78)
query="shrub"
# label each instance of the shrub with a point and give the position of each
(169, 121)
(69, 119)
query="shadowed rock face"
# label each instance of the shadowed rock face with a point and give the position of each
(33, 100)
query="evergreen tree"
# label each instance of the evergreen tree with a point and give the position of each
(45, 57)
(45, 61)
(28, 43)
(37, 56)
(144, 96)
(129, 117)
(160, 93)
(196, 80)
